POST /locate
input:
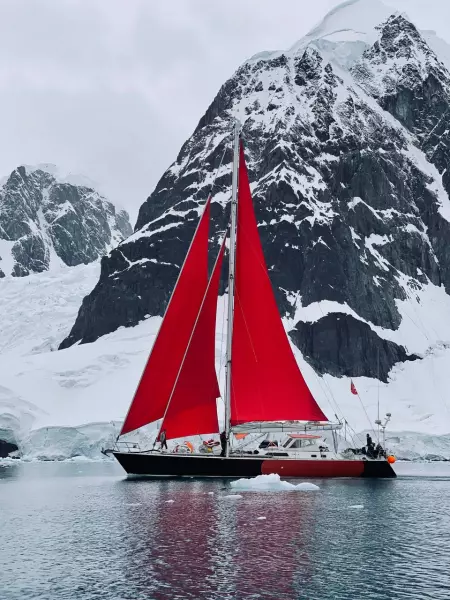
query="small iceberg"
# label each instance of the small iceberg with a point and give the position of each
(271, 483)
(356, 506)
(234, 496)
(261, 518)
(169, 501)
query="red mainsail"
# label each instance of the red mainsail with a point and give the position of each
(192, 408)
(157, 382)
(266, 383)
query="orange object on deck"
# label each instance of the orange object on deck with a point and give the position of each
(391, 459)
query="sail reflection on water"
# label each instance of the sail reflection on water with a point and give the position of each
(208, 545)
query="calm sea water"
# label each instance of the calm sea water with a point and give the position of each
(82, 531)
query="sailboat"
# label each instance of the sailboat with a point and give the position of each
(265, 392)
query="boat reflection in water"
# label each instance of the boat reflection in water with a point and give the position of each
(194, 543)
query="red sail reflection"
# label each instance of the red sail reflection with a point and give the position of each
(206, 545)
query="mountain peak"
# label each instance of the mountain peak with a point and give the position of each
(351, 26)
(348, 173)
(62, 176)
(354, 20)
(46, 220)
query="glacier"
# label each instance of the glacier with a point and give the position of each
(57, 405)
(70, 402)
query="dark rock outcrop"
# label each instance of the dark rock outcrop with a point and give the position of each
(341, 345)
(350, 189)
(6, 448)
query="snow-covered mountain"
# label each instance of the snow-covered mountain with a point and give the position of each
(347, 141)
(48, 219)
(346, 137)
(63, 404)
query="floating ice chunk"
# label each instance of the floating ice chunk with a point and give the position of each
(233, 496)
(356, 506)
(79, 458)
(271, 482)
(169, 501)
(210, 493)
(261, 518)
(306, 486)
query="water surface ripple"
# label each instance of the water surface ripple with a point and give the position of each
(84, 532)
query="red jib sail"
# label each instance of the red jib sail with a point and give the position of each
(158, 379)
(192, 408)
(266, 383)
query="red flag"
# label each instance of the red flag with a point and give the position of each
(352, 388)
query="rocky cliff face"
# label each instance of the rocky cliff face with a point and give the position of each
(347, 142)
(45, 221)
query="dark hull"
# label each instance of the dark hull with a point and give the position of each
(187, 465)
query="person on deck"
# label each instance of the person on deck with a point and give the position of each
(223, 443)
(371, 450)
(163, 439)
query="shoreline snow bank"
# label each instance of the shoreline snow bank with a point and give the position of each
(271, 483)
(63, 443)
(68, 443)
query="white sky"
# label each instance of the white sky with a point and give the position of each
(112, 88)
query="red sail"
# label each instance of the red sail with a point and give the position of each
(158, 379)
(266, 383)
(192, 407)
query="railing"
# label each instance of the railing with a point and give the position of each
(126, 447)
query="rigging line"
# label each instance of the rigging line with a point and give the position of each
(326, 395)
(414, 308)
(179, 273)
(417, 326)
(424, 327)
(424, 332)
(441, 397)
(355, 435)
(160, 325)
(371, 428)
(245, 322)
(236, 297)
(196, 194)
(255, 252)
(189, 343)
(265, 271)
(199, 190)
(337, 407)
(217, 171)
(370, 423)
(438, 122)
(326, 382)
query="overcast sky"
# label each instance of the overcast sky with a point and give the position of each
(112, 88)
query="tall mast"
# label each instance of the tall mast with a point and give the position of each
(231, 271)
